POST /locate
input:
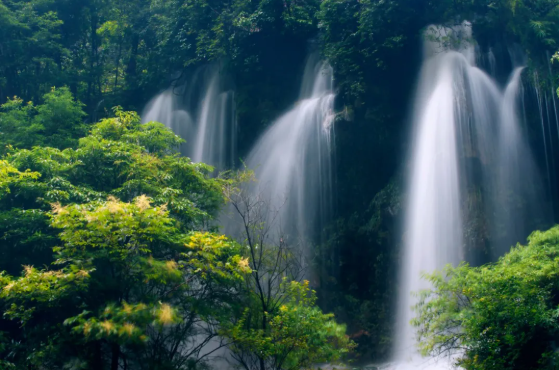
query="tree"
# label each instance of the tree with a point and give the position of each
(121, 158)
(128, 284)
(31, 49)
(296, 335)
(497, 316)
(109, 281)
(280, 327)
(57, 122)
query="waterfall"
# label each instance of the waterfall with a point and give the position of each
(201, 111)
(515, 201)
(467, 140)
(166, 108)
(292, 161)
(549, 126)
(492, 62)
(433, 235)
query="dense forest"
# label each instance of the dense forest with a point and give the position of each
(145, 145)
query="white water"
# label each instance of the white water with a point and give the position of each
(462, 121)
(514, 166)
(549, 125)
(201, 111)
(433, 234)
(292, 161)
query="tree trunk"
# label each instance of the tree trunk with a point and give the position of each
(115, 356)
(97, 356)
(117, 63)
(93, 55)
(132, 62)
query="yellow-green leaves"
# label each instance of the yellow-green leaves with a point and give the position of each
(214, 255)
(124, 323)
(119, 211)
(297, 335)
(123, 232)
(143, 260)
(38, 289)
(125, 126)
(10, 176)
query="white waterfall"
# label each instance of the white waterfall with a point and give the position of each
(201, 111)
(292, 160)
(461, 116)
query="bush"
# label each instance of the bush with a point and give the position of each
(498, 316)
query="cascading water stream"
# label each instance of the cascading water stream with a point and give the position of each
(514, 165)
(466, 135)
(542, 121)
(202, 113)
(292, 160)
(166, 108)
(433, 232)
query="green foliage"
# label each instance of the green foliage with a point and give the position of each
(59, 119)
(124, 276)
(297, 335)
(111, 161)
(209, 29)
(10, 176)
(338, 20)
(38, 289)
(124, 158)
(55, 123)
(278, 324)
(500, 316)
(132, 276)
(20, 228)
(112, 53)
(31, 48)
(128, 278)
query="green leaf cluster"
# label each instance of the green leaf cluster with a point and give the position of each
(298, 334)
(110, 256)
(126, 276)
(497, 316)
(108, 232)
(57, 122)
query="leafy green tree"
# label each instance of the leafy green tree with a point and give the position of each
(130, 285)
(298, 334)
(278, 325)
(57, 122)
(26, 238)
(497, 316)
(31, 48)
(111, 161)
(130, 280)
